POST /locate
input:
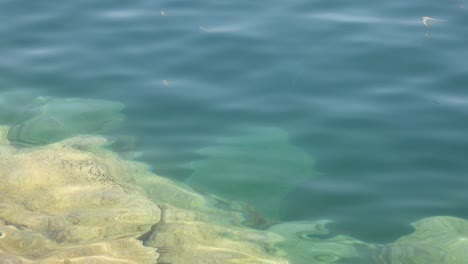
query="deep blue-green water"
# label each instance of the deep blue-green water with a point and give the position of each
(378, 100)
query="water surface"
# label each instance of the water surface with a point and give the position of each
(374, 96)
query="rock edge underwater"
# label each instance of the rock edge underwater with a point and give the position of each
(74, 202)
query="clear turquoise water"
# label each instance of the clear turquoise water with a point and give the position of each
(381, 106)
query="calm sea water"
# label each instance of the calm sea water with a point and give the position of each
(376, 98)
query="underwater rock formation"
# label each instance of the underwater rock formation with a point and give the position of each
(75, 202)
(309, 242)
(195, 229)
(239, 168)
(16, 106)
(186, 237)
(52, 119)
(61, 204)
(5, 147)
(436, 240)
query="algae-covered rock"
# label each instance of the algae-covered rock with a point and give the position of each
(54, 118)
(258, 168)
(436, 240)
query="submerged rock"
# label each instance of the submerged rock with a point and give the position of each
(74, 202)
(16, 106)
(259, 168)
(54, 119)
(61, 204)
(184, 236)
(6, 148)
(436, 240)
(195, 229)
(310, 242)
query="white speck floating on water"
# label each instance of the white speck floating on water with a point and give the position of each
(427, 21)
(204, 29)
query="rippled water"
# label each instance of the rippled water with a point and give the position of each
(376, 99)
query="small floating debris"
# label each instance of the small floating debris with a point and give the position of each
(163, 13)
(166, 83)
(205, 29)
(427, 21)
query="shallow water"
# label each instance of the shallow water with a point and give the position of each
(376, 98)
